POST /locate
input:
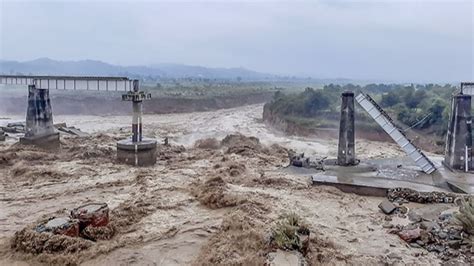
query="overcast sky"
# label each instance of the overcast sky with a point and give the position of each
(387, 40)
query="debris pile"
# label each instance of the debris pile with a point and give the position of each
(18, 127)
(443, 235)
(299, 160)
(64, 234)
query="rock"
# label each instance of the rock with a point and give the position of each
(410, 235)
(426, 237)
(445, 216)
(429, 226)
(403, 209)
(420, 242)
(439, 248)
(394, 256)
(454, 244)
(414, 217)
(410, 226)
(442, 235)
(304, 239)
(415, 245)
(353, 240)
(387, 225)
(388, 218)
(387, 207)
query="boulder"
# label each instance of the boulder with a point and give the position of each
(387, 207)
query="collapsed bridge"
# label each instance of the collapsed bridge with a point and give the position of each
(39, 118)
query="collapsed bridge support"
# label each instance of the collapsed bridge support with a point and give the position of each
(39, 120)
(458, 153)
(346, 146)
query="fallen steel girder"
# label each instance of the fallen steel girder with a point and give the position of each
(384, 120)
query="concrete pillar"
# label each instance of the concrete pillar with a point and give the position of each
(39, 120)
(346, 147)
(458, 153)
(136, 151)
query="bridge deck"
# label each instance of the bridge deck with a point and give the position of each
(70, 82)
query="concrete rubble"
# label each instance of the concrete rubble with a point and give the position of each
(429, 228)
(18, 127)
(299, 160)
(387, 207)
(71, 130)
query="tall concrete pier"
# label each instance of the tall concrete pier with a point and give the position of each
(136, 151)
(458, 153)
(39, 120)
(346, 147)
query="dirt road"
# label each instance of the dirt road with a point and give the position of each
(214, 203)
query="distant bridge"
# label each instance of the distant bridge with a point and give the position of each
(70, 82)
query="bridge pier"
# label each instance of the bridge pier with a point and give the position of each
(458, 153)
(137, 151)
(346, 146)
(39, 120)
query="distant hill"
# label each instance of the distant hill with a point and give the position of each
(46, 66)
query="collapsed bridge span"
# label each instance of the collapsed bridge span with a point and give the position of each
(384, 120)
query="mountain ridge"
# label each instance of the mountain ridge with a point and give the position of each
(47, 66)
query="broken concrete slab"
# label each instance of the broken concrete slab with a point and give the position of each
(73, 131)
(459, 187)
(387, 207)
(369, 186)
(17, 127)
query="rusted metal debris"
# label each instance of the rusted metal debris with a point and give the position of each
(92, 214)
(88, 215)
(60, 226)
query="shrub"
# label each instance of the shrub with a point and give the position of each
(466, 215)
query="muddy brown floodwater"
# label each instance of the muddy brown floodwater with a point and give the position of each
(212, 197)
